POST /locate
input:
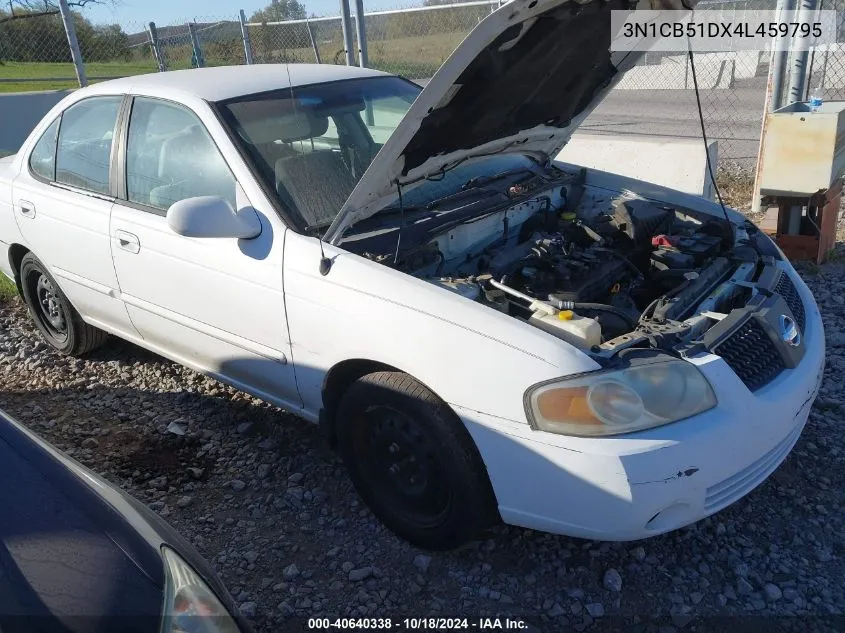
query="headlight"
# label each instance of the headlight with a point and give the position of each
(620, 401)
(190, 605)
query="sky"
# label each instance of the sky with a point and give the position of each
(134, 14)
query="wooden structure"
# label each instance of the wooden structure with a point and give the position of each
(800, 176)
(817, 229)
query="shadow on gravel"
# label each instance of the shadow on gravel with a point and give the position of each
(264, 493)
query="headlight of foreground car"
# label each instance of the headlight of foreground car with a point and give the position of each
(621, 401)
(190, 604)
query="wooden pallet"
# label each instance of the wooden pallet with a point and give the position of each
(822, 209)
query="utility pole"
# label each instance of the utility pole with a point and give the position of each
(361, 25)
(75, 53)
(774, 94)
(779, 58)
(798, 71)
(346, 23)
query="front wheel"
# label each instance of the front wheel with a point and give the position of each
(413, 462)
(57, 320)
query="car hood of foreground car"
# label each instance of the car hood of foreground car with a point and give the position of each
(522, 80)
(72, 544)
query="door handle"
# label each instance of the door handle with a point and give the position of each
(27, 209)
(128, 241)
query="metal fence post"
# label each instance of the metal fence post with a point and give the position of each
(154, 44)
(245, 36)
(347, 30)
(313, 41)
(199, 61)
(73, 42)
(361, 27)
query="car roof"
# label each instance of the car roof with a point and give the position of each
(227, 82)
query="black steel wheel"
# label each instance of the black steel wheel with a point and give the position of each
(54, 316)
(49, 309)
(413, 462)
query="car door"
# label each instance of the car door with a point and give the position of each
(63, 198)
(216, 304)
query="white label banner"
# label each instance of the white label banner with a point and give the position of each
(717, 31)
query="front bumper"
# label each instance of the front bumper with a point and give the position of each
(635, 486)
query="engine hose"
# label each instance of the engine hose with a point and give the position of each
(630, 265)
(597, 307)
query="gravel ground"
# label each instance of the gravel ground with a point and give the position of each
(270, 506)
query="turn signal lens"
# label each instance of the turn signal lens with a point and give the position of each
(621, 401)
(190, 604)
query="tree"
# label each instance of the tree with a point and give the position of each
(39, 36)
(280, 10)
(28, 9)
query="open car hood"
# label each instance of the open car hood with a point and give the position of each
(522, 80)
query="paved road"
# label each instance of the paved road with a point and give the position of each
(732, 117)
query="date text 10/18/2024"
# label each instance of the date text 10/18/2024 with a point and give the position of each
(417, 624)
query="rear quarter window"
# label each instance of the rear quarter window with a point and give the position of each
(42, 160)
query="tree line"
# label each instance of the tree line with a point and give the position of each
(42, 38)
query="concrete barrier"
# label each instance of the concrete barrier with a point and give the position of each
(675, 74)
(679, 164)
(746, 63)
(20, 112)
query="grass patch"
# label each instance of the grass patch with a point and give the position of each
(737, 188)
(8, 291)
(62, 76)
(413, 57)
(7, 288)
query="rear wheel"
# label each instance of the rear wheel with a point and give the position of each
(413, 462)
(57, 320)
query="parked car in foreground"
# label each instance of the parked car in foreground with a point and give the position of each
(78, 555)
(484, 332)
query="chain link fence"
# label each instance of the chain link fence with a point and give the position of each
(655, 98)
(34, 53)
(826, 66)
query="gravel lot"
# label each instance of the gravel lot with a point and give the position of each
(261, 497)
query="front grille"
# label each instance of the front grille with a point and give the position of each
(752, 355)
(786, 289)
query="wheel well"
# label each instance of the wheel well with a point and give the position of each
(16, 255)
(337, 381)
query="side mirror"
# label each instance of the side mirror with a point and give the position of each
(212, 216)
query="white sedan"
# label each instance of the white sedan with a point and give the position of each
(484, 333)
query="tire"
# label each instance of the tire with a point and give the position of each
(58, 321)
(413, 462)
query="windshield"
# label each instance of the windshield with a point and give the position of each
(311, 144)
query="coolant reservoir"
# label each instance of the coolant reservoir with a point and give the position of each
(582, 332)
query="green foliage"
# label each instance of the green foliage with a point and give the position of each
(43, 39)
(7, 289)
(279, 10)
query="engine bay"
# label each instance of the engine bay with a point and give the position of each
(602, 270)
